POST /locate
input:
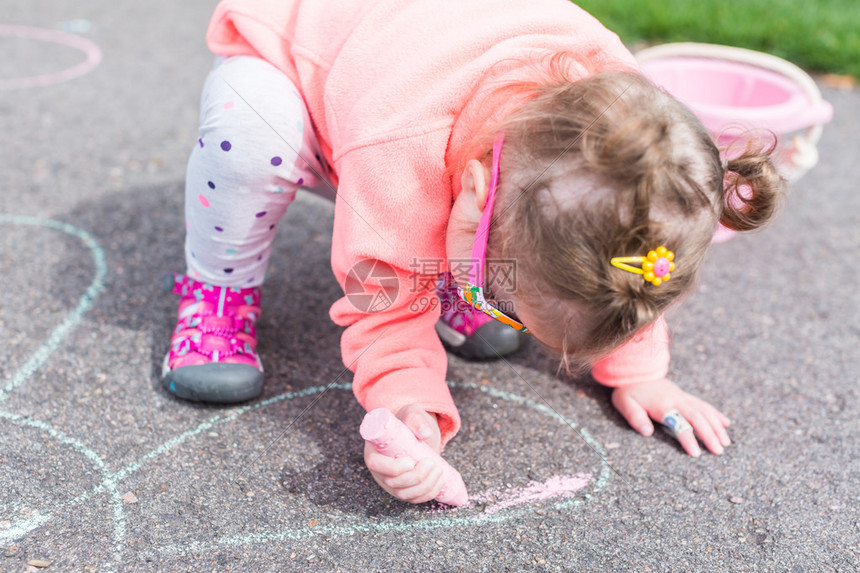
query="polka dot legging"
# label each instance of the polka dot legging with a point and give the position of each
(256, 147)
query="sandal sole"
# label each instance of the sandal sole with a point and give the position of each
(215, 383)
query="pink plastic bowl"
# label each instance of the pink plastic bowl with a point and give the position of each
(723, 94)
(732, 90)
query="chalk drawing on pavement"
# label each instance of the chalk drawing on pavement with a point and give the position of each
(91, 51)
(558, 493)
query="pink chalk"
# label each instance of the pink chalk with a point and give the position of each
(92, 52)
(558, 486)
(393, 438)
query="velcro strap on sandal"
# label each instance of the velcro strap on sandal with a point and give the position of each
(233, 296)
(219, 324)
(210, 343)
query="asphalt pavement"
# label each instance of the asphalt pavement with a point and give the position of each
(101, 470)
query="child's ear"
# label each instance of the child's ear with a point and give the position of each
(475, 179)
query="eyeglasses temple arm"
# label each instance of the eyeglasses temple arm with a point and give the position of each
(479, 248)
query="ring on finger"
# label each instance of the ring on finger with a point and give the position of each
(676, 423)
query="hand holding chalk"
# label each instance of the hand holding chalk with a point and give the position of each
(394, 439)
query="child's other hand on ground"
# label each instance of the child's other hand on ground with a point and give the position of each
(403, 478)
(641, 403)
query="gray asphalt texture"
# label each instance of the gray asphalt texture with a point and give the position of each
(101, 470)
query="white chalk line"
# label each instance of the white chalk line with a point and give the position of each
(27, 524)
(297, 533)
(38, 359)
(58, 335)
(111, 480)
(300, 533)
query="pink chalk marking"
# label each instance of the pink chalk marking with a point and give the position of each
(229, 105)
(559, 486)
(393, 438)
(92, 52)
(203, 200)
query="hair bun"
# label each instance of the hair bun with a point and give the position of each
(752, 186)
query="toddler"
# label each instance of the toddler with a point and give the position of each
(511, 143)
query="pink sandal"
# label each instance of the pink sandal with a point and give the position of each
(213, 356)
(469, 333)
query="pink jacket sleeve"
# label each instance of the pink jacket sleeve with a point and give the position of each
(644, 359)
(390, 212)
(397, 358)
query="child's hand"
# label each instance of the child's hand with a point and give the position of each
(402, 478)
(639, 402)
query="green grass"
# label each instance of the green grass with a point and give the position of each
(817, 35)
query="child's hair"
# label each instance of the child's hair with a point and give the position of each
(612, 166)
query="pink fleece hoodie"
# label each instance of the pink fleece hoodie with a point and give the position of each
(396, 90)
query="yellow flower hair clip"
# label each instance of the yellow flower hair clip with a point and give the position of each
(656, 266)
